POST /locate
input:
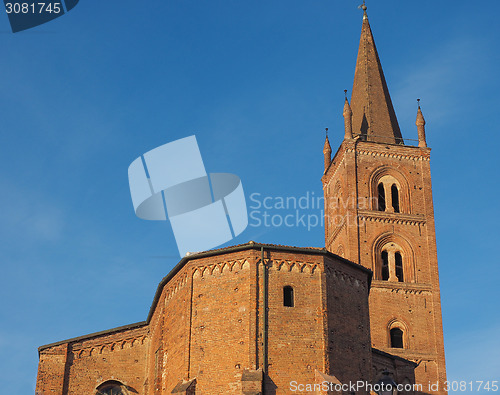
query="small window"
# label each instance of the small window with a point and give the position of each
(385, 265)
(288, 296)
(396, 338)
(381, 197)
(395, 198)
(111, 388)
(399, 266)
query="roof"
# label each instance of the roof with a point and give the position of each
(242, 247)
(391, 356)
(220, 251)
(95, 334)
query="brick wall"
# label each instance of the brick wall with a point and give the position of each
(348, 322)
(52, 370)
(87, 363)
(415, 303)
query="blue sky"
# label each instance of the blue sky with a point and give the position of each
(257, 82)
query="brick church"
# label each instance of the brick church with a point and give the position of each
(268, 319)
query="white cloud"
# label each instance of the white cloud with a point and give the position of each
(447, 80)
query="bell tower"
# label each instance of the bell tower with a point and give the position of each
(379, 213)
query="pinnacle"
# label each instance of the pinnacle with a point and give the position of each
(327, 147)
(420, 117)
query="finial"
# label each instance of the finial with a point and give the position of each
(346, 101)
(418, 102)
(363, 7)
(326, 130)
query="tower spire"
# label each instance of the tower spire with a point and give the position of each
(373, 115)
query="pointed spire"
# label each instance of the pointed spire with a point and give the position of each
(327, 151)
(347, 119)
(420, 127)
(373, 114)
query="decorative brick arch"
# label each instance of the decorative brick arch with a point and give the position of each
(403, 326)
(400, 244)
(340, 250)
(337, 189)
(390, 175)
(333, 203)
(337, 195)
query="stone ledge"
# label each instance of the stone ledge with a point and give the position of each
(402, 218)
(401, 286)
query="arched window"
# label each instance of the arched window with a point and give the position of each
(396, 338)
(288, 296)
(390, 265)
(385, 265)
(381, 197)
(389, 191)
(395, 198)
(393, 259)
(111, 388)
(399, 266)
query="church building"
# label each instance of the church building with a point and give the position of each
(267, 319)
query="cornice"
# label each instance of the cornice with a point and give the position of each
(407, 288)
(98, 346)
(289, 265)
(395, 151)
(367, 148)
(410, 354)
(126, 328)
(393, 218)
